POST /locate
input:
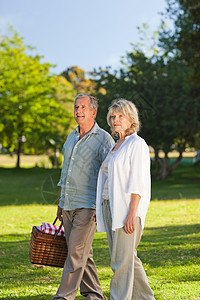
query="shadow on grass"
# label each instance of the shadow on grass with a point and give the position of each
(39, 185)
(179, 244)
(152, 234)
(160, 246)
(171, 245)
(175, 245)
(184, 183)
(29, 186)
(41, 297)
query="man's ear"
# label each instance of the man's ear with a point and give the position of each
(94, 113)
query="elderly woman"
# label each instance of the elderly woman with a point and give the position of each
(123, 196)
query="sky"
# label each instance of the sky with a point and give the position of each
(86, 33)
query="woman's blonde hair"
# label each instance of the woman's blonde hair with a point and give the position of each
(127, 109)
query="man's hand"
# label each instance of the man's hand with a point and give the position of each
(59, 213)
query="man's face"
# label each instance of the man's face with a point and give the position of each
(84, 116)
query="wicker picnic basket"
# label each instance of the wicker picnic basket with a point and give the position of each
(47, 249)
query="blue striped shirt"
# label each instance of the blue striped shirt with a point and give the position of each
(82, 160)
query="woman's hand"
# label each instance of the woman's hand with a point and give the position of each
(129, 224)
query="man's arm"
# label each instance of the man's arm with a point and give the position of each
(59, 209)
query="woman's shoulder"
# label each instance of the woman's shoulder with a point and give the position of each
(136, 140)
(134, 137)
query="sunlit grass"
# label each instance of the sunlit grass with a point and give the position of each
(169, 250)
(27, 161)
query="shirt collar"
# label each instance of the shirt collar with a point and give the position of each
(127, 137)
(94, 129)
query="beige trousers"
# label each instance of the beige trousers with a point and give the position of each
(79, 268)
(129, 281)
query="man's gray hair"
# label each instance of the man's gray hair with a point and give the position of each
(93, 101)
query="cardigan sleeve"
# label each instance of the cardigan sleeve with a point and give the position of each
(99, 215)
(139, 168)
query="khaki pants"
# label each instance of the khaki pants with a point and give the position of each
(129, 281)
(79, 268)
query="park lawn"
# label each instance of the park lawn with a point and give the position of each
(27, 161)
(169, 250)
(39, 185)
(30, 160)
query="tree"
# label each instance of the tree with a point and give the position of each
(77, 77)
(184, 41)
(29, 109)
(171, 118)
(107, 86)
(158, 85)
(186, 36)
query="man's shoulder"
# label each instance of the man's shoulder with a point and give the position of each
(103, 133)
(72, 133)
(106, 138)
(70, 136)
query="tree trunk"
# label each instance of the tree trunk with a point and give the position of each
(164, 171)
(19, 151)
(177, 162)
(156, 151)
(56, 163)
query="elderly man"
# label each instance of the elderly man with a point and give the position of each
(84, 151)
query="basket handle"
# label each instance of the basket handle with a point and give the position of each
(59, 226)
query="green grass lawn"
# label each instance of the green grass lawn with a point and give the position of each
(169, 250)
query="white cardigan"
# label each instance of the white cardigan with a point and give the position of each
(128, 173)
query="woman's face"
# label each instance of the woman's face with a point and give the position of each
(119, 122)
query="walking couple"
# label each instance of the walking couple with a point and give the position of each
(104, 184)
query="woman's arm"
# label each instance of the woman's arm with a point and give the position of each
(129, 224)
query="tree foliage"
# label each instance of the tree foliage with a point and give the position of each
(77, 77)
(32, 112)
(158, 84)
(186, 36)
(185, 42)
